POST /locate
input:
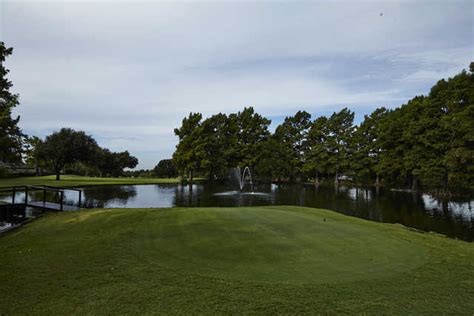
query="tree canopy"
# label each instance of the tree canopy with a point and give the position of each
(429, 142)
(10, 133)
(80, 152)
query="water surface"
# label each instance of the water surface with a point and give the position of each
(453, 217)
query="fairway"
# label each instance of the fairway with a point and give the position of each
(80, 181)
(277, 259)
(292, 245)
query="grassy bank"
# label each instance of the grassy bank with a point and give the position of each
(77, 181)
(230, 260)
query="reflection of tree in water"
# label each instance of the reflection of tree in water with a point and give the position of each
(453, 218)
(38, 195)
(100, 197)
(185, 195)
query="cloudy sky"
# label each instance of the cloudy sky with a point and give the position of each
(128, 72)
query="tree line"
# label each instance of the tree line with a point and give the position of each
(164, 169)
(429, 142)
(75, 152)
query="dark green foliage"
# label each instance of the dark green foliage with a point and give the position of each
(366, 148)
(218, 143)
(272, 160)
(186, 156)
(317, 161)
(67, 147)
(165, 169)
(293, 135)
(32, 152)
(428, 142)
(340, 127)
(80, 154)
(10, 133)
(112, 163)
(249, 129)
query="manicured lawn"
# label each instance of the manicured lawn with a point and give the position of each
(76, 181)
(269, 260)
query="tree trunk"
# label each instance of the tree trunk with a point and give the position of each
(336, 179)
(190, 177)
(445, 182)
(377, 180)
(414, 184)
(36, 168)
(316, 179)
(58, 175)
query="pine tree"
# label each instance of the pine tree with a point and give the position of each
(10, 134)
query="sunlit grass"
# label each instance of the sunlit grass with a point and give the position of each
(76, 181)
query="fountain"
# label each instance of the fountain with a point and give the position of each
(241, 177)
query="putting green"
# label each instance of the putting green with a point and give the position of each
(276, 244)
(261, 260)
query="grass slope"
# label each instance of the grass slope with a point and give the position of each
(77, 181)
(230, 260)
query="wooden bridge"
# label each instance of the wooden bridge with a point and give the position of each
(14, 211)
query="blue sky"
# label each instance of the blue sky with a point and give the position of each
(128, 72)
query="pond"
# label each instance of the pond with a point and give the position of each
(454, 218)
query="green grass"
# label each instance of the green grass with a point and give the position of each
(77, 181)
(268, 260)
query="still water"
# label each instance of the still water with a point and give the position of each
(454, 217)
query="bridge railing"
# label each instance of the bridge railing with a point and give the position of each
(45, 188)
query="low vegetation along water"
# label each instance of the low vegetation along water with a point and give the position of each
(453, 217)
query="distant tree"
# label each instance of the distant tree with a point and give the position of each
(165, 168)
(186, 155)
(33, 154)
(66, 147)
(428, 141)
(213, 145)
(113, 163)
(340, 131)
(293, 133)
(219, 142)
(248, 129)
(317, 157)
(10, 133)
(366, 147)
(450, 136)
(272, 159)
(125, 160)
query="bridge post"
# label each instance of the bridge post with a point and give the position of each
(13, 195)
(44, 196)
(80, 196)
(62, 200)
(26, 196)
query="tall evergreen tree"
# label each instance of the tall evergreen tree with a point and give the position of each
(318, 151)
(340, 128)
(186, 154)
(212, 146)
(10, 133)
(293, 133)
(249, 130)
(366, 147)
